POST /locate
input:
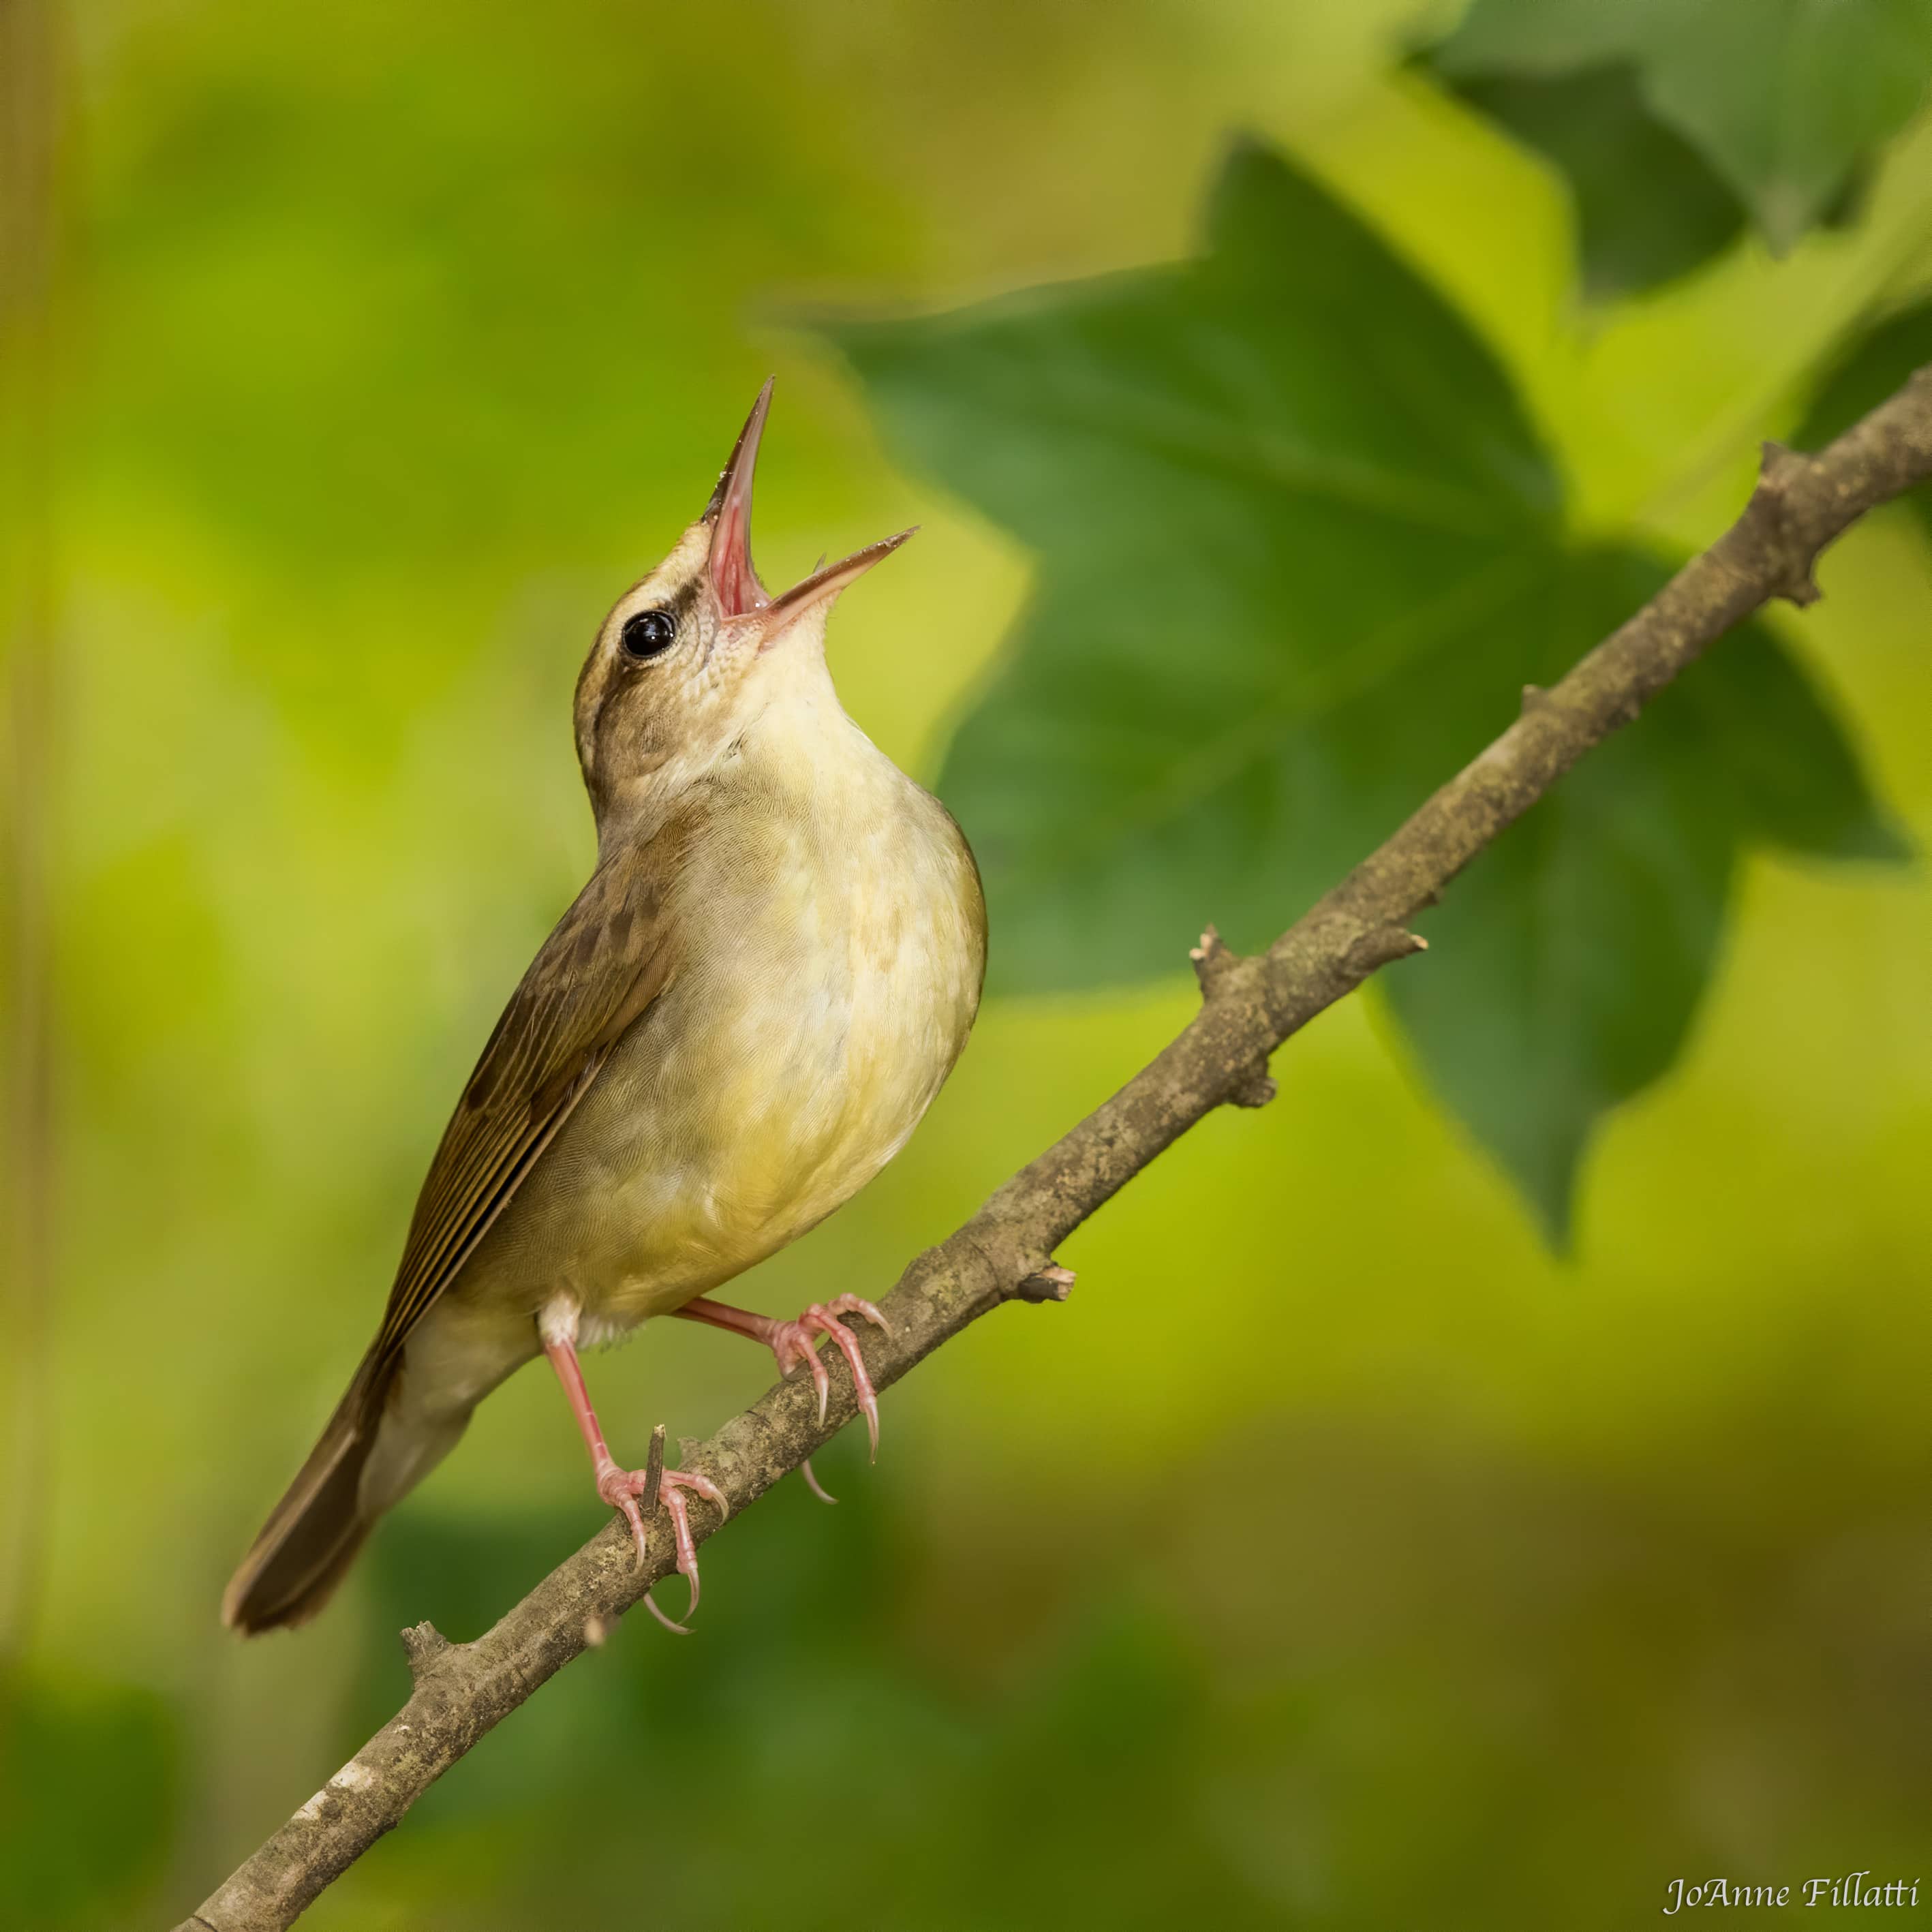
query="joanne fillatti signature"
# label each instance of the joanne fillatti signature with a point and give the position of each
(1858, 1888)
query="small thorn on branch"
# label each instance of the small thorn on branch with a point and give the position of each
(1385, 944)
(1534, 697)
(1051, 1283)
(425, 1646)
(1213, 958)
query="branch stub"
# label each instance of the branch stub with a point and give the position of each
(1051, 1283)
(425, 1646)
(1214, 960)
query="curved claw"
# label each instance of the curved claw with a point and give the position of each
(625, 1487)
(675, 1629)
(812, 1483)
(687, 1550)
(825, 1319)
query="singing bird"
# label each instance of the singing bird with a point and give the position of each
(735, 1026)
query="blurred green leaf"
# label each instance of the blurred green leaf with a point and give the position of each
(87, 1774)
(1784, 97)
(1649, 207)
(795, 1712)
(1868, 369)
(1299, 553)
(1567, 963)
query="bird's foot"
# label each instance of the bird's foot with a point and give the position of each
(622, 1488)
(795, 1344)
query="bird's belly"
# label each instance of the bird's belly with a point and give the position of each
(791, 1127)
(750, 1103)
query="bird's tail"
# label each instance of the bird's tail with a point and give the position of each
(313, 1534)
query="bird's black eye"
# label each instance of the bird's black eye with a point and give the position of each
(648, 634)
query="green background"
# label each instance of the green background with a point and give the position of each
(1335, 1557)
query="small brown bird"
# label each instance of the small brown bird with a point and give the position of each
(736, 1024)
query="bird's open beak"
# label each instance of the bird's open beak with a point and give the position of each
(734, 579)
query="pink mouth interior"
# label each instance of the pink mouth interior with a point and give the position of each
(735, 582)
(734, 576)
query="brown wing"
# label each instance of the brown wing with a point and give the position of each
(606, 960)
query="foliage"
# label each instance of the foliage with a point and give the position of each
(1300, 552)
(1784, 100)
(1649, 207)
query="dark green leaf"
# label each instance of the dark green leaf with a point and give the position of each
(1567, 962)
(1784, 97)
(1869, 369)
(1298, 558)
(1649, 207)
(1264, 483)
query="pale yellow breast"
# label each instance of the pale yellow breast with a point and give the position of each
(841, 967)
(832, 943)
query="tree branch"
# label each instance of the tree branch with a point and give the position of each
(1249, 1006)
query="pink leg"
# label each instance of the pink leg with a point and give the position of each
(794, 1343)
(619, 1487)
